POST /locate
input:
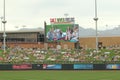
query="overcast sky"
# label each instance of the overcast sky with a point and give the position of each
(33, 13)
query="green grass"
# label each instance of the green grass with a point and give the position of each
(59, 75)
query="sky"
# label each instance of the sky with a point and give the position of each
(33, 13)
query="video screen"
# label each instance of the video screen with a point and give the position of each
(83, 66)
(62, 33)
(113, 66)
(52, 66)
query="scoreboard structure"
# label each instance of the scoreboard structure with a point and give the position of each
(62, 30)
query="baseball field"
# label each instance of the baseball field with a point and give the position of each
(60, 75)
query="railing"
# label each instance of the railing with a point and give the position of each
(62, 62)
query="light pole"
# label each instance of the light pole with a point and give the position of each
(4, 22)
(96, 19)
(1, 22)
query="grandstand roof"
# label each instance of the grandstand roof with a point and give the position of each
(41, 30)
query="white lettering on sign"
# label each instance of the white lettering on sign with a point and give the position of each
(61, 20)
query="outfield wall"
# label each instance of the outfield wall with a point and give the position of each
(59, 66)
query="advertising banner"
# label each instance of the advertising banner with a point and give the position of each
(83, 66)
(22, 66)
(62, 20)
(52, 66)
(113, 66)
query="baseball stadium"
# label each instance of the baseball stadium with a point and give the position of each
(57, 53)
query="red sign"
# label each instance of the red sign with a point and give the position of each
(62, 20)
(22, 66)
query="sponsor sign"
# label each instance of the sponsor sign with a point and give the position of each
(83, 66)
(62, 20)
(22, 66)
(52, 66)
